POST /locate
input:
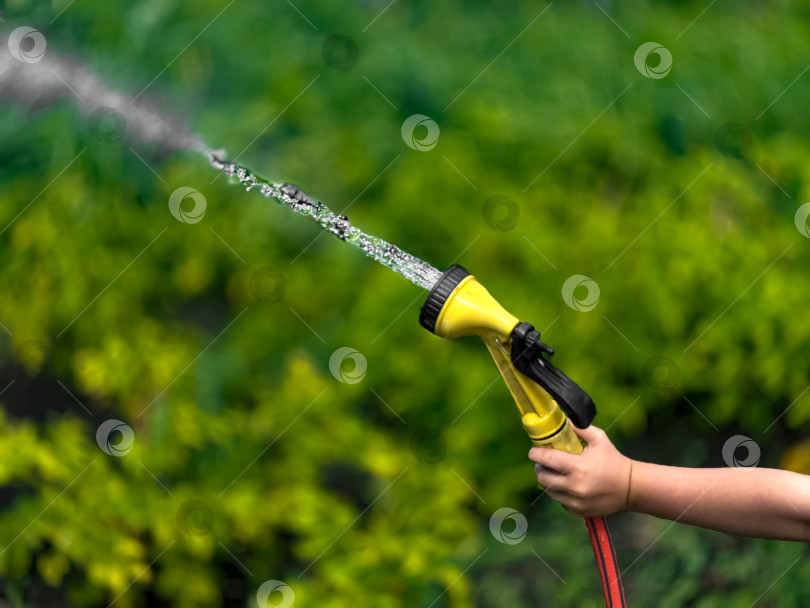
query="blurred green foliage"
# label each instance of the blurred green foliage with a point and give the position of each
(379, 493)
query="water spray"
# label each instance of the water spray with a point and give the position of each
(53, 78)
(412, 268)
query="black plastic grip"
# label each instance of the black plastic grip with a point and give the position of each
(527, 357)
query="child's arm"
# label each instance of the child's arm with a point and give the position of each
(763, 503)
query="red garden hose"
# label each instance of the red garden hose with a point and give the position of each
(606, 561)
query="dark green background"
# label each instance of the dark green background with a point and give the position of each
(726, 258)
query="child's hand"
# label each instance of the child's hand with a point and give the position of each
(594, 483)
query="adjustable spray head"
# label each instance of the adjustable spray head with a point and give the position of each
(458, 305)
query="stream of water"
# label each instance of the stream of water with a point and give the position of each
(52, 78)
(412, 268)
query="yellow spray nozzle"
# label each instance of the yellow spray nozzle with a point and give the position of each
(469, 309)
(458, 305)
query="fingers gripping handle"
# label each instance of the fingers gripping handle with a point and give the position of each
(527, 357)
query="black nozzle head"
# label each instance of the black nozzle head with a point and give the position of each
(439, 294)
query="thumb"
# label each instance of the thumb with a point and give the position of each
(591, 434)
